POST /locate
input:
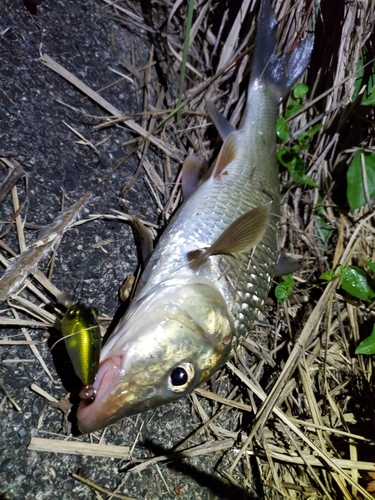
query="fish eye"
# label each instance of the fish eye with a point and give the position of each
(180, 377)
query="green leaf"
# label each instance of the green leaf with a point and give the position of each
(367, 346)
(308, 134)
(295, 166)
(368, 98)
(303, 146)
(305, 179)
(293, 109)
(324, 229)
(328, 275)
(284, 157)
(355, 281)
(354, 176)
(300, 90)
(284, 289)
(319, 207)
(358, 81)
(333, 273)
(341, 270)
(370, 264)
(296, 169)
(282, 130)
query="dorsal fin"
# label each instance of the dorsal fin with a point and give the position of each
(227, 154)
(241, 236)
(221, 123)
(192, 170)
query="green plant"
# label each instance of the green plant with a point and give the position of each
(361, 173)
(290, 155)
(284, 289)
(367, 346)
(361, 179)
(324, 230)
(359, 284)
(365, 83)
(354, 280)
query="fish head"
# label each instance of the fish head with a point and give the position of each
(170, 341)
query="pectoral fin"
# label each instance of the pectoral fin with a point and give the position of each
(241, 236)
(144, 238)
(221, 123)
(193, 169)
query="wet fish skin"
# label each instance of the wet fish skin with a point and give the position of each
(82, 337)
(186, 321)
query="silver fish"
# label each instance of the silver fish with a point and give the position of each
(212, 269)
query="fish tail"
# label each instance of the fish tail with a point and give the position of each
(279, 73)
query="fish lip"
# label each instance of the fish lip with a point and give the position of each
(90, 414)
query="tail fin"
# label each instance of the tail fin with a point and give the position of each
(279, 73)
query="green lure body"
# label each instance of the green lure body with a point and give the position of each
(81, 333)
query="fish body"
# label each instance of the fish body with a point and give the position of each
(81, 333)
(212, 269)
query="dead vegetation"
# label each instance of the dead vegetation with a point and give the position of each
(292, 410)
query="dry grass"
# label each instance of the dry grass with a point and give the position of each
(305, 391)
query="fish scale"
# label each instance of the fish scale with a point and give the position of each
(208, 213)
(212, 269)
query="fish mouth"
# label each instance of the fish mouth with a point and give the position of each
(91, 413)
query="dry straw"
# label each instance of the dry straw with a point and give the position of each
(299, 395)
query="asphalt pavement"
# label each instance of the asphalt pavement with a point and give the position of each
(93, 259)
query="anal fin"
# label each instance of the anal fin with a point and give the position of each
(221, 123)
(286, 265)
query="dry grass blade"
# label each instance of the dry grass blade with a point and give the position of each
(99, 488)
(314, 461)
(196, 451)
(245, 407)
(33, 347)
(50, 63)
(285, 420)
(43, 393)
(16, 406)
(32, 309)
(291, 415)
(308, 334)
(10, 184)
(78, 448)
(15, 174)
(83, 141)
(20, 322)
(23, 265)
